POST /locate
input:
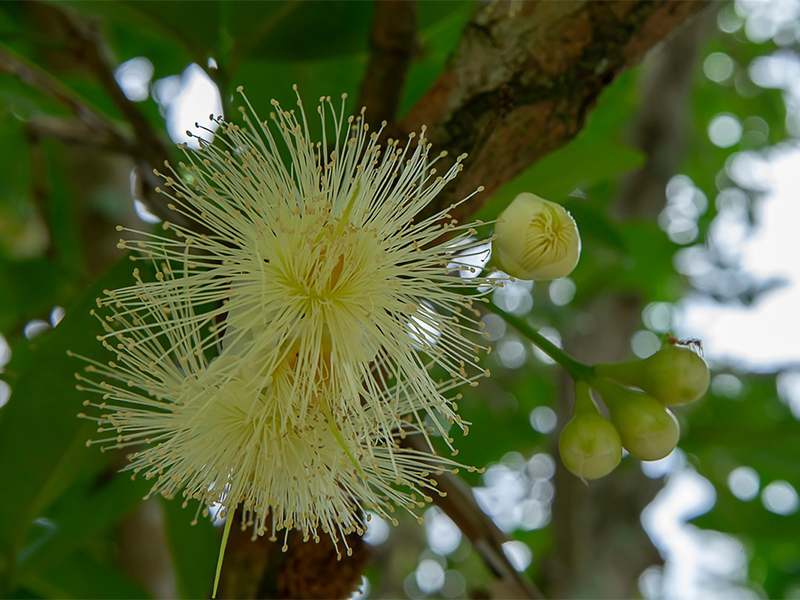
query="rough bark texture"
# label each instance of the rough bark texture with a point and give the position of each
(524, 78)
(259, 569)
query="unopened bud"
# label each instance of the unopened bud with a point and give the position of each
(589, 444)
(648, 430)
(536, 239)
(673, 375)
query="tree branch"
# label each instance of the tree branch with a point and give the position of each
(521, 85)
(90, 50)
(460, 505)
(37, 78)
(392, 44)
(74, 132)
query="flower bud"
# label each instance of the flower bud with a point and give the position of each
(589, 445)
(648, 430)
(673, 375)
(536, 239)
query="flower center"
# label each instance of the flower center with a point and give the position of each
(547, 238)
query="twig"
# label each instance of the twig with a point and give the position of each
(392, 44)
(460, 505)
(74, 132)
(39, 191)
(88, 47)
(147, 148)
(29, 73)
(98, 130)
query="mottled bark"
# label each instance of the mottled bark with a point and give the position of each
(524, 78)
(260, 569)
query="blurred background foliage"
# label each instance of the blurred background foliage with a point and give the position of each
(73, 528)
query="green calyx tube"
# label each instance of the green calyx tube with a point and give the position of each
(589, 444)
(673, 375)
(648, 430)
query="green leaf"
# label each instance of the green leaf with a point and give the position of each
(233, 32)
(82, 576)
(36, 285)
(194, 548)
(298, 30)
(264, 80)
(41, 439)
(583, 162)
(80, 517)
(511, 400)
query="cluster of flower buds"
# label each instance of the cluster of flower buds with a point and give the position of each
(537, 239)
(636, 394)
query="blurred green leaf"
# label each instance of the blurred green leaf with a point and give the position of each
(80, 516)
(82, 576)
(41, 440)
(194, 548)
(233, 32)
(583, 162)
(31, 288)
(502, 406)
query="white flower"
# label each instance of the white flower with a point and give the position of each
(279, 355)
(536, 239)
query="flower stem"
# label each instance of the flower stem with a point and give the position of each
(226, 532)
(576, 369)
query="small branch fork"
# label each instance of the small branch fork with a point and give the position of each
(89, 123)
(460, 505)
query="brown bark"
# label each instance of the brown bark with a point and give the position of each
(260, 569)
(392, 44)
(522, 82)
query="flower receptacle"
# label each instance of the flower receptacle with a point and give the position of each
(649, 431)
(589, 444)
(673, 375)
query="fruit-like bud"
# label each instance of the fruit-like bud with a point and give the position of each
(536, 239)
(589, 445)
(674, 375)
(648, 430)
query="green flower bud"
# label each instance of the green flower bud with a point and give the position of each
(673, 375)
(589, 445)
(536, 239)
(648, 430)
